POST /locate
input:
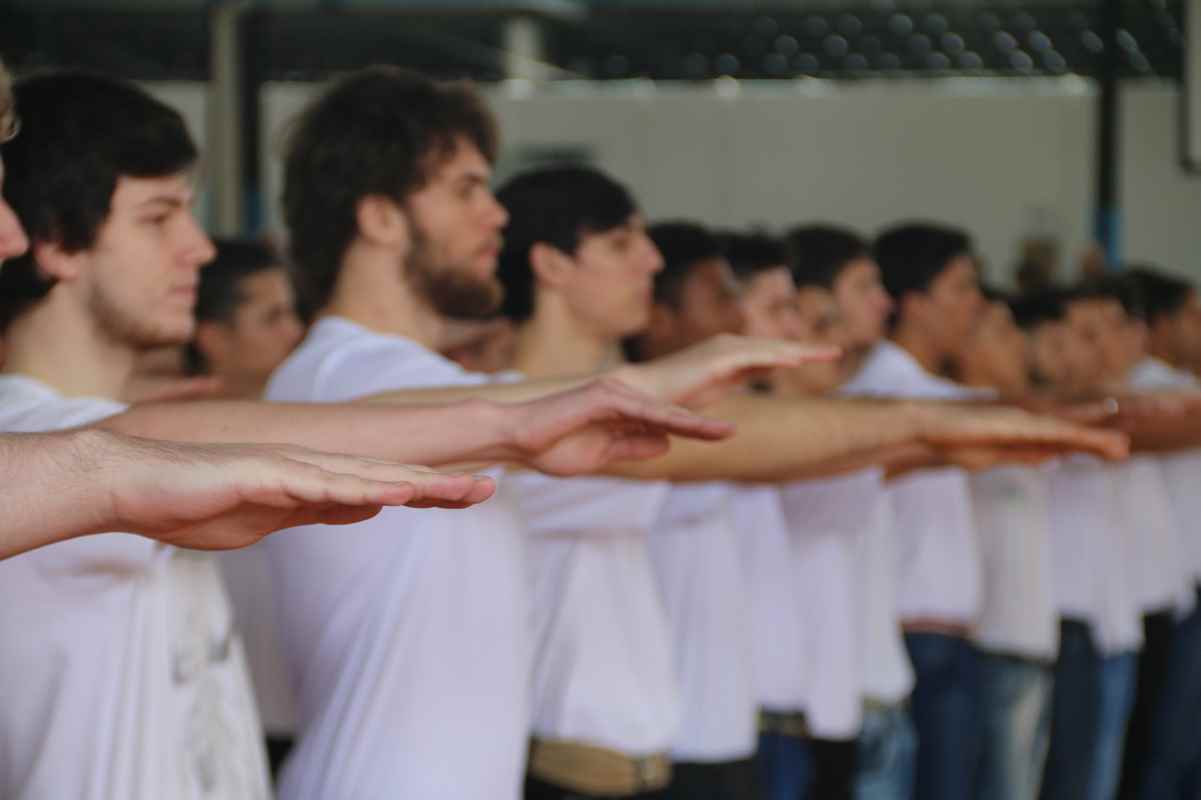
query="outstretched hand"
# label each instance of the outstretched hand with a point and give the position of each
(601, 422)
(1029, 437)
(227, 495)
(705, 373)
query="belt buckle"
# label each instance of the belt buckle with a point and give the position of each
(647, 772)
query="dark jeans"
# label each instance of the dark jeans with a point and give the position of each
(725, 780)
(795, 768)
(785, 766)
(1075, 714)
(945, 707)
(1175, 748)
(1153, 665)
(1090, 709)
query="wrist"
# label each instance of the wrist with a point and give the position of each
(919, 420)
(501, 425)
(636, 376)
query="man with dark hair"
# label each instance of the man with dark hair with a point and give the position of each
(840, 260)
(1122, 601)
(246, 320)
(1167, 763)
(1173, 315)
(928, 271)
(1017, 629)
(838, 287)
(418, 639)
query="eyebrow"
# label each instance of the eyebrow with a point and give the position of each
(165, 200)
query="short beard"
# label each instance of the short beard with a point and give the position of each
(451, 291)
(134, 331)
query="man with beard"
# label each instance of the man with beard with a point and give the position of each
(409, 653)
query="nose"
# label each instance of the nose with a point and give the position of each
(13, 241)
(199, 249)
(498, 215)
(653, 258)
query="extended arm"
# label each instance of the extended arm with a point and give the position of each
(782, 439)
(61, 485)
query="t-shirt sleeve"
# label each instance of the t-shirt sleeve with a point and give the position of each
(62, 414)
(90, 557)
(383, 367)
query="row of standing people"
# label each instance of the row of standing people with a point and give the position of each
(601, 636)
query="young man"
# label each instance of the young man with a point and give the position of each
(1173, 756)
(246, 319)
(153, 668)
(929, 273)
(840, 293)
(1017, 631)
(1100, 632)
(417, 638)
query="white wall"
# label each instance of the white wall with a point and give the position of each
(1002, 158)
(191, 101)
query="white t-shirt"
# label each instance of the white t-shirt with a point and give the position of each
(695, 555)
(405, 634)
(120, 674)
(777, 646)
(247, 574)
(1158, 574)
(602, 671)
(885, 671)
(828, 519)
(937, 553)
(1018, 614)
(1088, 555)
(1181, 470)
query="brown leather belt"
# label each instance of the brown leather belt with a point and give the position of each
(784, 723)
(595, 770)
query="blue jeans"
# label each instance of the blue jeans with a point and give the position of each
(1015, 721)
(946, 701)
(1075, 709)
(887, 751)
(785, 766)
(1119, 674)
(1091, 705)
(1175, 747)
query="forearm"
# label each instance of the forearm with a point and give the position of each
(515, 392)
(782, 439)
(1162, 434)
(51, 490)
(465, 431)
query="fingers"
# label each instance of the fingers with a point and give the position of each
(751, 353)
(619, 399)
(364, 482)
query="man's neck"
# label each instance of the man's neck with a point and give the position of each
(372, 291)
(1006, 386)
(1166, 356)
(553, 343)
(62, 346)
(923, 349)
